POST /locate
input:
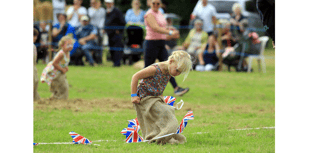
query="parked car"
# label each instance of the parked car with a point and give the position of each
(224, 11)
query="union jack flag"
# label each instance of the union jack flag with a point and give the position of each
(133, 136)
(78, 139)
(169, 100)
(131, 132)
(188, 116)
(35, 144)
(133, 123)
(126, 132)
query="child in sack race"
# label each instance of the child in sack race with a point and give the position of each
(155, 117)
(54, 74)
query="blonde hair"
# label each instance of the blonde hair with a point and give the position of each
(64, 39)
(235, 6)
(183, 61)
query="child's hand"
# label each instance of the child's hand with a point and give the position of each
(64, 70)
(67, 68)
(135, 99)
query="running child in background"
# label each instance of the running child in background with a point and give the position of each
(54, 74)
(36, 95)
(152, 111)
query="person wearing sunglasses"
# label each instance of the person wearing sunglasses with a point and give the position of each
(155, 39)
(149, 4)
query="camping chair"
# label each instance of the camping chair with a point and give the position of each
(259, 57)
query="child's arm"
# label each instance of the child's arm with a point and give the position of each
(56, 63)
(144, 73)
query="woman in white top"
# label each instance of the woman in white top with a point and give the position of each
(96, 14)
(75, 12)
(58, 7)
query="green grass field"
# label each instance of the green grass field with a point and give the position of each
(99, 107)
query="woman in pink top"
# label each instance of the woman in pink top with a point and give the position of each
(156, 32)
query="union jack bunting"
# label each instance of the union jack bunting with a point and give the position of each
(131, 132)
(133, 123)
(35, 144)
(78, 139)
(169, 100)
(188, 116)
(126, 132)
(133, 136)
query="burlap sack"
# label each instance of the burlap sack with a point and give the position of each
(36, 95)
(60, 87)
(156, 119)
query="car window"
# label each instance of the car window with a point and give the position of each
(222, 6)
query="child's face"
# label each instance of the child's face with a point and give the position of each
(68, 45)
(173, 69)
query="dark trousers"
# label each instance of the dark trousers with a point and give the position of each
(116, 48)
(155, 49)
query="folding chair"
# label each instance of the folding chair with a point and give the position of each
(260, 58)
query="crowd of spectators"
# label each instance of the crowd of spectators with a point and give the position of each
(89, 26)
(204, 44)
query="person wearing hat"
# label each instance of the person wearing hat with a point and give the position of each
(86, 35)
(114, 25)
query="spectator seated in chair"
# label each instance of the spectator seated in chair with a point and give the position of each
(208, 58)
(86, 35)
(252, 45)
(196, 40)
(238, 21)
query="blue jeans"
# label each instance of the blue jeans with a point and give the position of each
(86, 50)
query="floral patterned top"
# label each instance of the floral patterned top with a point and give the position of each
(49, 72)
(154, 85)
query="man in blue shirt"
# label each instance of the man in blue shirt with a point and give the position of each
(86, 35)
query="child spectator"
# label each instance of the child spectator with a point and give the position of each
(148, 96)
(54, 74)
(36, 95)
